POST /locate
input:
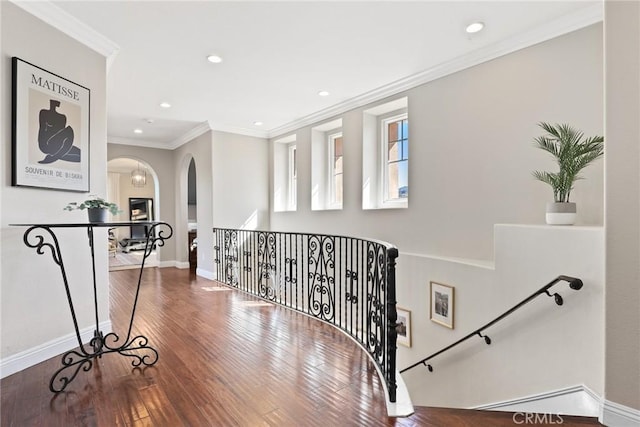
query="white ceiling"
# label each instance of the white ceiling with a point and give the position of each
(278, 55)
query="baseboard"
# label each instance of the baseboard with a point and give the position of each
(25, 359)
(184, 265)
(205, 273)
(402, 407)
(173, 263)
(616, 415)
(577, 400)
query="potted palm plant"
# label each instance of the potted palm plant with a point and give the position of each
(96, 207)
(573, 153)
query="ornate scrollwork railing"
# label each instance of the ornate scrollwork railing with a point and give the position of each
(344, 281)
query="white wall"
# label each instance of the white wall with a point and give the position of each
(232, 188)
(540, 348)
(622, 211)
(471, 152)
(32, 293)
(471, 157)
(227, 165)
(200, 149)
(240, 167)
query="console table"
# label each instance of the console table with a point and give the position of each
(42, 237)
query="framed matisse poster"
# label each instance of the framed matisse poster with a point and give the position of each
(50, 130)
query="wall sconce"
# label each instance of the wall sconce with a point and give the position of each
(138, 177)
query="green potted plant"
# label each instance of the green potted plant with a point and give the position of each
(573, 153)
(97, 208)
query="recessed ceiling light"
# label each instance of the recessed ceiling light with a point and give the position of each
(137, 131)
(165, 105)
(258, 123)
(214, 58)
(475, 27)
(323, 93)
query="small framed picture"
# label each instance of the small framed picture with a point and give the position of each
(442, 304)
(404, 327)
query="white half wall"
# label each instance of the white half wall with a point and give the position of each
(540, 348)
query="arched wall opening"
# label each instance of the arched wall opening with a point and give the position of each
(187, 217)
(121, 188)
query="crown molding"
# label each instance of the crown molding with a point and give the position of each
(209, 126)
(565, 24)
(582, 18)
(68, 24)
(258, 133)
(201, 129)
(172, 145)
(137, 143)
(71, 26)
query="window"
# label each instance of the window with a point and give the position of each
(293, 178)
(285, 174)
(335, 172)
(385, 155)
(395, 135)
(327, 166)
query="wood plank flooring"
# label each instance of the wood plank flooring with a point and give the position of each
(225, 360)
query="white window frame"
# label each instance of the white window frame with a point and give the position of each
(292, 177)
(384, 200)
(373, 153)
(331, 188)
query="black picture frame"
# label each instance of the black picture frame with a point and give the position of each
(404, 326)
(50, 130)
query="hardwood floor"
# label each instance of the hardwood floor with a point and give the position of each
(226, 359)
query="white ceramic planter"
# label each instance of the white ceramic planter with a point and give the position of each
(561, 213)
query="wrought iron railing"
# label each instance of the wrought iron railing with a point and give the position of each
(574, 283)
(345, 281)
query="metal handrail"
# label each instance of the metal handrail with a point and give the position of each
(574, 283)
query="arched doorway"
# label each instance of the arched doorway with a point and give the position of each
(132, 184)
(192, 216)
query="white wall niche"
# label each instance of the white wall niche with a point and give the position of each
(321, 195)
(284, 196)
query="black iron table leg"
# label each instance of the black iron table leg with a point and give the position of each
(43, 238)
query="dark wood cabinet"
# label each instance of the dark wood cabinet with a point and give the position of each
(193, 251)
(140, 209)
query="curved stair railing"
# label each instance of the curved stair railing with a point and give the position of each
(345, 281)
(574, 283)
